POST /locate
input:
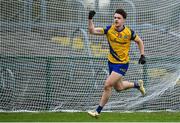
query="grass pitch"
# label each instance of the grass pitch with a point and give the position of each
(84, 117)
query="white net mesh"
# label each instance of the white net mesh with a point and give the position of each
(50, 62)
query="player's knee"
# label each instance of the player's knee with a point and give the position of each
(107, 86)
(119, 88)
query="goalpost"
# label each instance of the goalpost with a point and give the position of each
(50, 62)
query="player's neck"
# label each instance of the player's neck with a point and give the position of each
(120, 28)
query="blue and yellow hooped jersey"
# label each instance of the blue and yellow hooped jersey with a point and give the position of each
(119, 43)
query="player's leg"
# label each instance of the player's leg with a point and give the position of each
(116, 72)
(123, 85)
(121, 69)
(109, 83)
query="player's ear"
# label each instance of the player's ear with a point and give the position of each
(124, 20)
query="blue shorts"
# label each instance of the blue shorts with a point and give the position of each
(118, 68)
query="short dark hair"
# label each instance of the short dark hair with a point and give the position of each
(121, 12)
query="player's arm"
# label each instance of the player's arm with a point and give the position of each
(92, 29)
(140, 44)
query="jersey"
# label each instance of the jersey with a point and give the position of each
(119, 43)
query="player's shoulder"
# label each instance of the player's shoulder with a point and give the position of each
(128, 28)
(107, 28)
(131, 32)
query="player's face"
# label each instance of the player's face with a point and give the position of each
(118, 20)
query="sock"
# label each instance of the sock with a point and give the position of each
(136, 85)
(99, 108)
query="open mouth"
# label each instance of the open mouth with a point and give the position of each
(116, 22)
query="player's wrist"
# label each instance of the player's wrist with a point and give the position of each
(90, 18)
(142, 55)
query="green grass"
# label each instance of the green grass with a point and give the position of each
(84, 117)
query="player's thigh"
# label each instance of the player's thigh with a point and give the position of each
(113, 79)
(118, 85)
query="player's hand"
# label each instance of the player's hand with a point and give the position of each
(91, 14)
(142, 59)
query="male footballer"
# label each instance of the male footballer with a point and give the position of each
(119, 38)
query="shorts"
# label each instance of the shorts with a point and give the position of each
(118, 68)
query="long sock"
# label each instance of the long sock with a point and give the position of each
(136, 85)
(99, 108)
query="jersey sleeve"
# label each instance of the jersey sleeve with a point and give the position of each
(106, 29)
(133, 34)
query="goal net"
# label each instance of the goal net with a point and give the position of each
(50, 62)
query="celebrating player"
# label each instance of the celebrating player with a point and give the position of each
(119, 39)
